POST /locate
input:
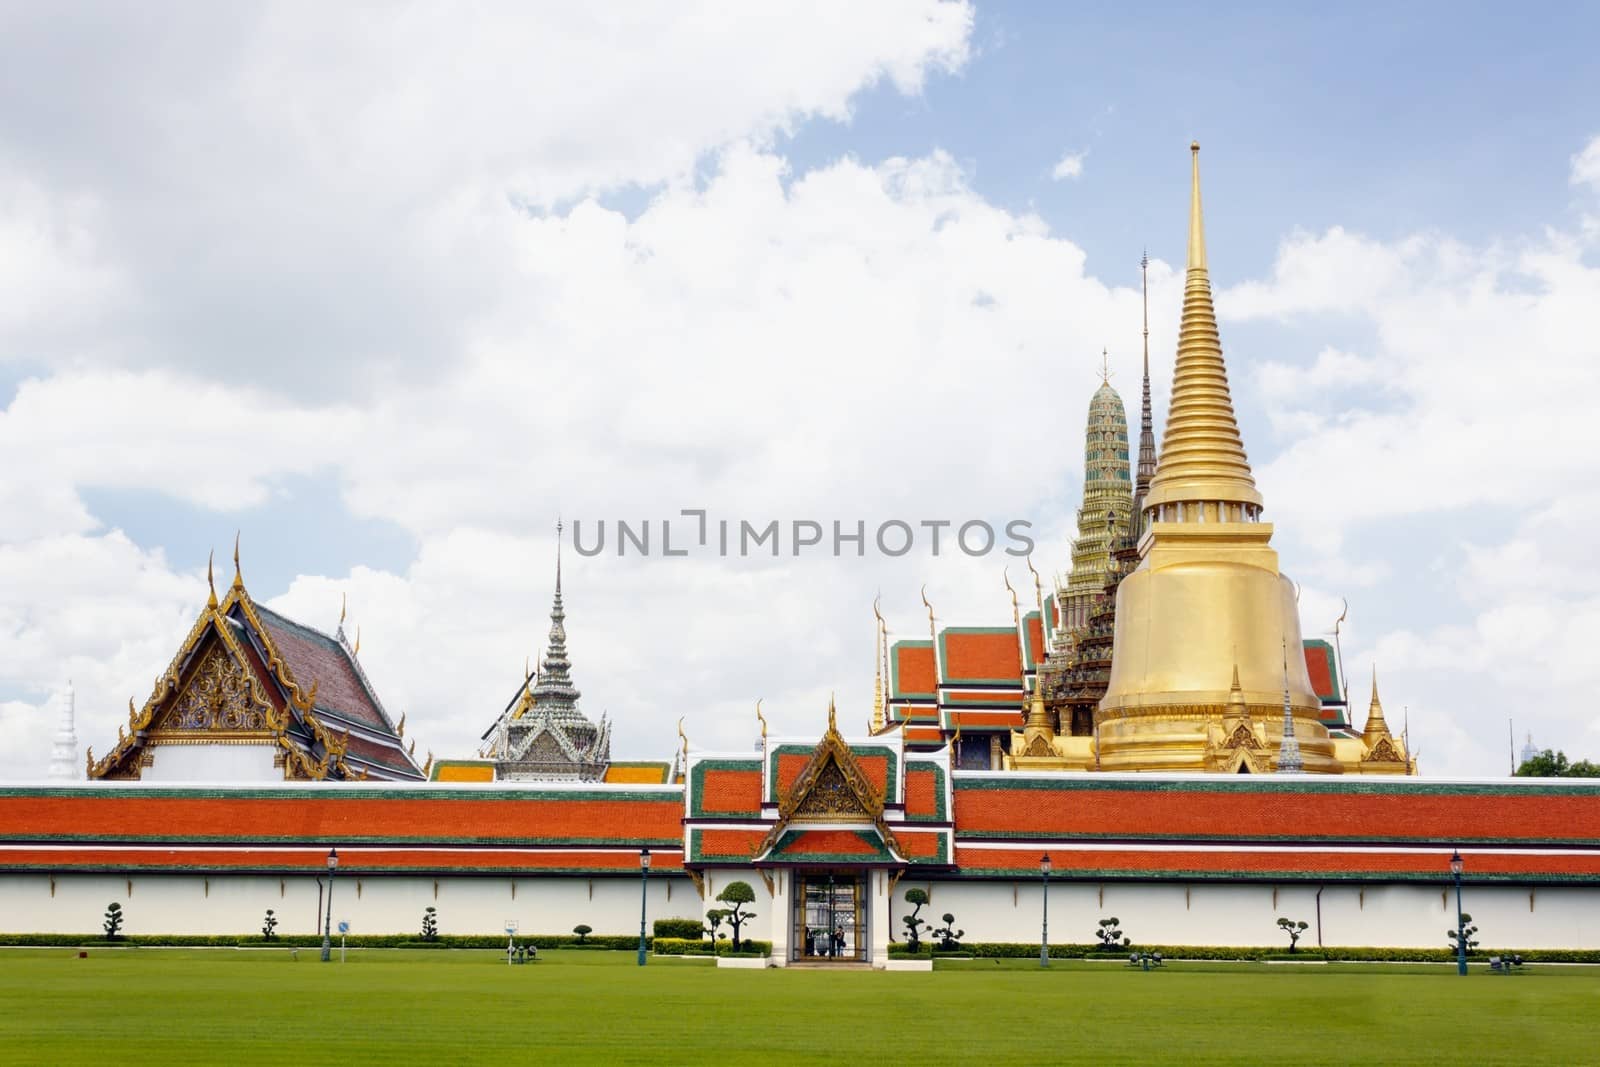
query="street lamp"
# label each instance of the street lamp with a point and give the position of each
(644, 881)
(1044, 927)
(1461, 923)
(327, 926)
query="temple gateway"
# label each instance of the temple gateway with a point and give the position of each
(1153, 740)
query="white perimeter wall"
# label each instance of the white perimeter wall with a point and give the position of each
(1173, 914)
(233, 904)
(1398, 916)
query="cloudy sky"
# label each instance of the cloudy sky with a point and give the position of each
(389, 288)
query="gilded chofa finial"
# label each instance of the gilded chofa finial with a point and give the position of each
(343, 603)
(211, 601)
(356, 651)
(400, 730)
(929, 606)
(238, 574)
(1016, 612)
(762, 718)
(1038, 590)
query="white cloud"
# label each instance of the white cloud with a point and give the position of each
(1586, 166)
(763, 344)
(320, 196)
(1069, 166)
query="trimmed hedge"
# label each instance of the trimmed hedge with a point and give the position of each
(682, 946)
(748, 946)
(699, 947)
(687, 929)
(1257, 953)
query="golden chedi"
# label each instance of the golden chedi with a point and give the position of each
(1207, 602)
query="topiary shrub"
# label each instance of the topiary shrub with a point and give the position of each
(112, 924)
(583, 930)
(430, 924)
(269, 928)
(738, 894)
(1294, 930)
(1110, 935)
(949, 937)
(1468, 929)
(917, 898)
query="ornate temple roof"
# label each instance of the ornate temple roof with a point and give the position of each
(542, 735)
(248, 675)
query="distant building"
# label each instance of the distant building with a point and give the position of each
(541, 736)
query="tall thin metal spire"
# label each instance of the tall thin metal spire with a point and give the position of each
(554, 691)
(1289, 761)
(1147, 426)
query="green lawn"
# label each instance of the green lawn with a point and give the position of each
(236, 1007)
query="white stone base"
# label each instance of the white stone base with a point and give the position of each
(908, 965)
(749, 963)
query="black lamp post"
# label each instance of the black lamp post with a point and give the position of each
(644, 883)
(327, 925)
(1461, 924)
(1044, 927)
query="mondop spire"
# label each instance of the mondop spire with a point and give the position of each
(1203, 466)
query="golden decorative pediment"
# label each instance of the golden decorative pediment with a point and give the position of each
(1039, 746)
(831, 795)
(216, 699)
(1242, 737)
(1384, 752)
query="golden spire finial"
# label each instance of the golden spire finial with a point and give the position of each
(238, 575)
(1197, 226)
(1377, 727)
(1105, 366)
(1236, 701)
(1202, 455)
(211, 601)
(833, 726)
(356, 651)
(762, 718)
